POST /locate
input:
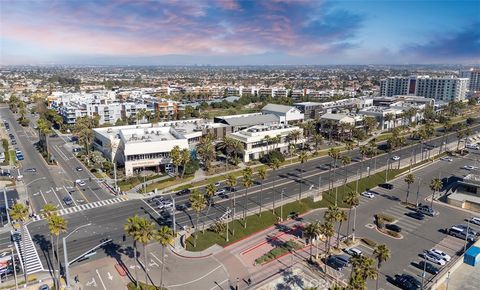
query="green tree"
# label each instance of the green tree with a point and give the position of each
(318, 140)
(210, 191)
(352, 200)
(19, 213)
(56, 226)
(274, 165)
(165, 237)
(312, 232)
(83, 129)
(303, 157)
(382, 254)
(131, 229)
(345, 162)
(198, 204)
(185, 157)
(206, 150)
(435, 185)
(176, 158)
(409, 179)
(247, 182)
(144, 234)
(327, 230)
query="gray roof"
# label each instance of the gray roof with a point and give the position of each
(337, 117)
(251, 120)
(277, 108)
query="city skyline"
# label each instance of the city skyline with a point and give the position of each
(239, 32)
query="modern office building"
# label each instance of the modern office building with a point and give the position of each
(473, 76)
(286, 114)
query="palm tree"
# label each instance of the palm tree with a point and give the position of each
(44, 130)
(409, 179)
(19, 213)
(209, 193)
(312, 231)
(318, 140)
(164, 236)
(334, 153)
(382, 254)
(303, 157)
(198, 204)
(274, 165)
(327, 230)
(435, 185)
(57, 225)
(389, 117)
(144, 233)
(232, 182)
(352, 199)
(131, 228)
(341, 217)
(185, 157)
(268, 140)
(247, 182)
(176, 158)
(206, 150)
(83, 129)
(49, 210)
(345, 161)
(226, 146)
(362, 269)
(262, 174)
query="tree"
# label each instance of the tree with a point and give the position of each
(176, 158)
(274, 165)
(303, 157)
(327, 230)
(198, 204)
(370, 123)
(362, 269)
(206, 150)
(164, 236)
(83, 129)
(340, 218)
(185, 157)
(382, 254)
(334, 153)
(409, 179)
(209, 193)
(389, 117)
(49, 210)
(56, 226)
(318, 140)
(262, 175)
(231, 183)
(19, 213)
(435, 185)
(345, 161)
(247, 182)
(352, 199)
(44, 128)
(311, 232)
(131, 228)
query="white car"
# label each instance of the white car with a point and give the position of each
(433, 258)
(367, 194)
(446, 159)
(80, 182)
(217, 184)
(167, 204)
(469, 167)
(396, 158)
(475, 220)
(221, 191)
(442, 254)
(353, 252)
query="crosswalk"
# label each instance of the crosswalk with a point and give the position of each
(83, 207)
(29, 259)
(407, 224)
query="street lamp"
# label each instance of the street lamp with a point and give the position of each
(14, 267)
(65, 257)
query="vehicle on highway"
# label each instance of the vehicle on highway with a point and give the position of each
(68, 200)
(475, 221)
(461, 234)
(353, 252)
(396, 158)
(449, 159)
(335, 263)
(393, 227)
(427, 210)
(31, 169)
(388, 186)
(416, 215)
(80, 182)
(442, 254)
(221, 191)
(433, 258)
(79, 168)
(429, 268)
(406, 282)
(470, 167)
(184, 191)
(367, 194)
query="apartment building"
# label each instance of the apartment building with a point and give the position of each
(473, 76)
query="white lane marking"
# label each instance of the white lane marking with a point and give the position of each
(59, 202)
(101, 281)
(198, 279)
(151, 207)
(156, 258)
(41, 193)
(219, 284)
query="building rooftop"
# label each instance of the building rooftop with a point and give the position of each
(473, 179)
(250, 119)
(277, 108)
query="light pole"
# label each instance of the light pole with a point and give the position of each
(466, 236)
(14, 267)
(65, 257)
(354, 221)
(6, 204)
(424, 269)
(228, 216)
(173, 211)
(281, 205)
(418, 191)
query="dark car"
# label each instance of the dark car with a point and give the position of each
(343, 258)
(31, 170)
(416, 215)
(336, 263)
(184, 192)
(393, 227)
(68, 200)
(44, 287)
(404, 282)
(386, 185)
(16, 237)
(429, 268)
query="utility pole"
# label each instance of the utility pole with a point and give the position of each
(281, 205)
(354, 221)
(466, 236)
(386, 171)
(228, 216)
(7, 207)
(424, 269)
(418, 191)
(115, 175)
(173, 215)
(14, 267)
(356, 184)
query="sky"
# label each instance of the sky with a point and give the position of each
(239, 32)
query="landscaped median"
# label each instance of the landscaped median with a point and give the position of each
(278, 251)
(257, 223)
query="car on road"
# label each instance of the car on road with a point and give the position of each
(80, 182)
(416, 215)
(396, 158)
(393, 227)
(427, 210)
(68, 200)
(388, 186)
(449, 159)
(217, 184)
(184, 191)
(44, 287)
(406, 282)
(353, 252)
(429, 268)
(472, 146)
(16, 237)
(442, 254)
(475, 221)
(469, 167)
(367, 194)
(433, 258)
(221, 191)
(30, 170)
(79, 168)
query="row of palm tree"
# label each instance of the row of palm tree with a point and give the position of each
(142, 230)
(180, 157)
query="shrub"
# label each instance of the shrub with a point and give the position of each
(369, 242)
(268, 158)
(191, 167)
(278, 251)
(393, 233)
(385, 217)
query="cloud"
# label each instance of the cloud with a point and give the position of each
(463, 44)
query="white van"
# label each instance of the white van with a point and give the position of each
(472, 146)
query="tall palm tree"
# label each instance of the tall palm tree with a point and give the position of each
(274, 165)
(303, 157)
(226, 146)
(209, 193)
(409, 179)
(341, 217)
(176, 158)
(327, 230)
(312, 231)
(247, 182)
(185, 157)
(57, 225)
(389, 117)
(352, 199)
(318, 140)
(49, 210)
(345, 161)
(145, 232)
(19, 213)
(382, 254)
(164, 236)
(232, 182)
(262, 175)
(131, 228)
(435, 185)
(334, 153)
(362, 269)
(198, 204)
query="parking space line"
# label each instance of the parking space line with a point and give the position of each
(59, 202)
(156, 258)
(150, 207)
(101, 281)
(41, 193)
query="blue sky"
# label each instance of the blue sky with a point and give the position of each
(236, 32)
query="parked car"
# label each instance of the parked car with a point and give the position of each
(445, 158)
(343, 258)
(442, 254)
(388, 186)
(44, 287)
(429, 268)
(30, 170)
(353, 252)
(406, 282)
(221, 191)
(68, 200)
(393, 227)
(217, 184)
(184, 192)
(433, 258)
(427, 210)
(167, 204)
(395, 157)
(416, 215)
(472, 146)
(461, 234)
(368, 194)
(470, 230)
(79, 168)
(470, 167)
(475, 220)
(335, 263)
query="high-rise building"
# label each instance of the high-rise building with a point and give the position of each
(473, 75)
(438, 88)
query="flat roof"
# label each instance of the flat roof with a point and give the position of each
(250, 120)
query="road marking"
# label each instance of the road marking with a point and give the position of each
(41, 193)
(101, 281)
(198, 279)
(156, 258)
(81, 192)
(150, 207)
(218, 284)
(59, 202)
(110, 276)
(92, 283)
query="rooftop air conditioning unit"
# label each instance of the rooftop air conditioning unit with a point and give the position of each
(164, 139)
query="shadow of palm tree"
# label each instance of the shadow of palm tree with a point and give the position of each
(115, 251)
(45, 247)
